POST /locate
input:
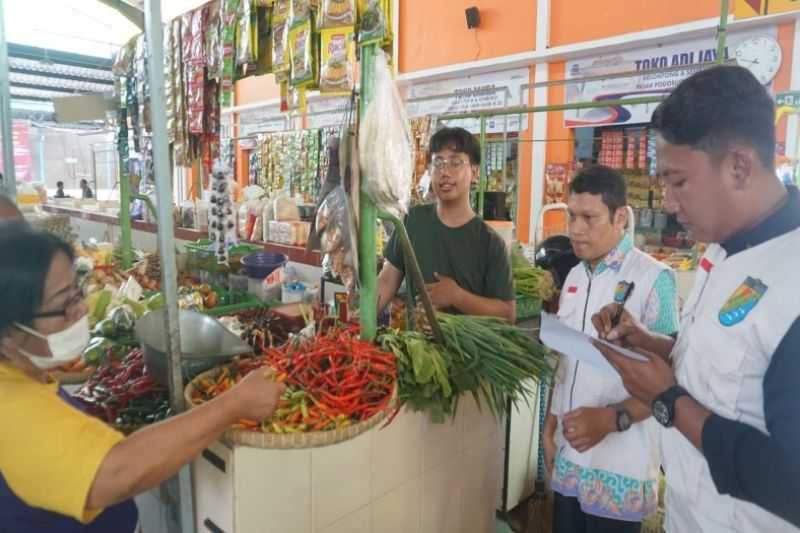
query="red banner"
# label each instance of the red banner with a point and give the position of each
(20, 133)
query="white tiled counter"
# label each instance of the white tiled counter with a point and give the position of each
(412, 477)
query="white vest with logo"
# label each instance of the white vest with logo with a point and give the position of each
(721, 356)
(633, 453)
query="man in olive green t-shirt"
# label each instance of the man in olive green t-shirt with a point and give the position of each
(464, 262)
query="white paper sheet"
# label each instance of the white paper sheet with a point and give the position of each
(574, 343)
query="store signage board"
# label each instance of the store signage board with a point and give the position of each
(755, 8)
(261, 121)
(788, 99)
(495, 90)
(686, 53)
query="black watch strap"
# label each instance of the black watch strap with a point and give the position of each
(664, 405)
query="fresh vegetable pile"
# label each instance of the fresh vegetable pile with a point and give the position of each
(263, 329)
(484, 356)
(123, 394)
(531, 280)
(333, 380)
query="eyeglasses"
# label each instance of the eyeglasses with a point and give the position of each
(453, 164)
(76, 298)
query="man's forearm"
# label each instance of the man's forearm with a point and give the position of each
(472, 304)
(637, 409)
(690, 417)
(660, 345)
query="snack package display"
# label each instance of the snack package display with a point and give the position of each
(384, 144)
(337, 70)
(280, 50)
(337, 13)
(229, 9)
(301, 53)
(281, 10)
(244, 41)
(222, 215)
(299, 12)
(335, 227)
(373, 22)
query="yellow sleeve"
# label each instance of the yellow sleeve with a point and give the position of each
(49, 451)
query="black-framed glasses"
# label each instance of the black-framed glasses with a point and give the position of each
(453, 164)
(76, 298)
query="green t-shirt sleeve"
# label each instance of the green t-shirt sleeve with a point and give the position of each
(500, 281)
(394, 251)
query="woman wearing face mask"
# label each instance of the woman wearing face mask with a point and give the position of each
(60, 469)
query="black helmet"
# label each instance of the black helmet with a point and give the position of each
(556, 255)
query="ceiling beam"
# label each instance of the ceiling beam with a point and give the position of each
(58, 76)
(57, 56)
(135, 15)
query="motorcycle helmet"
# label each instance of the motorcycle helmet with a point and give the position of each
(556, 255)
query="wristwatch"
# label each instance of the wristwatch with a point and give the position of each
(624, 420)
(664, 405)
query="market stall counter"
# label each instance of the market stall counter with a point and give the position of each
(414, 476)
(103, 224)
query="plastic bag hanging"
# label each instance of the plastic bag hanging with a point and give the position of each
(384, 144)
(337, 238)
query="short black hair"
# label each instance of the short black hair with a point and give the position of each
(84, 182)
(24, 265)
(605, 181)
(59, 184)
(458, 140)
(715, 107)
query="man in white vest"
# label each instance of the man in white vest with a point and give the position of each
(729, 403)
(600, 447)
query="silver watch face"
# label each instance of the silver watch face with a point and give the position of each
(624, 421)
(661, 413)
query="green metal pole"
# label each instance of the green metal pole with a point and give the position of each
(367, 247)
(482, 181)
(722, 31)
(124, 206)
(9, 184)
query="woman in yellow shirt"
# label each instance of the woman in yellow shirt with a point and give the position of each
(60, 469)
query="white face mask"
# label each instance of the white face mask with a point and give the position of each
(65, 345)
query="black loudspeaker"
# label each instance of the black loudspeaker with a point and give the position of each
(473, 17)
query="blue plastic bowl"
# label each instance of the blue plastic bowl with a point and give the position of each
(261, 264)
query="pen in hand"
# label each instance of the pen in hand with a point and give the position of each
(618, 315)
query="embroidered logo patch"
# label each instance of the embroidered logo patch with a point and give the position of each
(742, 301)
(572, 289)
(619, 292)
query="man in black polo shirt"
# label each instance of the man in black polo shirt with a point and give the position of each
(465, 263)
(729, 402)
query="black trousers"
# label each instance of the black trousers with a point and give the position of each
(569, 518)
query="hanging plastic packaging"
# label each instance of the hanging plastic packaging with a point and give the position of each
(337, 237)
(384, 144)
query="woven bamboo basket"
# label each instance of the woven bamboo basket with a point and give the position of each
(290, 441)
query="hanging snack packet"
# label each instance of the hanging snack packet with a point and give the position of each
(337, 13)
(337, 71)
(280, 11)
(372, 21)
(301, 52)
(264, 39)
(244, 45)
(280, 51)
(299, 12)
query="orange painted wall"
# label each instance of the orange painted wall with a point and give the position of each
(256, 89)
(573, 21)
(558, 151)
(434, 32)
(525, 171)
